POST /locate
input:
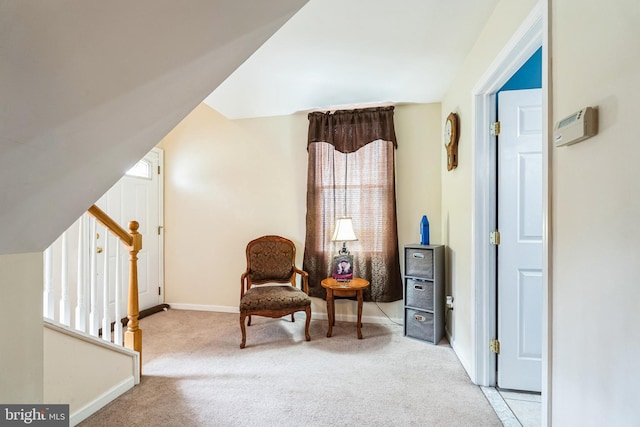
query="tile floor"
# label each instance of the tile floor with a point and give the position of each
(515, 409)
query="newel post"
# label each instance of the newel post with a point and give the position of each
(133, 335)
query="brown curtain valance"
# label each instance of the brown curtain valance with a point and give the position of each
(350, 130)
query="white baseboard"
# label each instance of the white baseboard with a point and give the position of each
(315, 316)
(92, 407)
(202, 307)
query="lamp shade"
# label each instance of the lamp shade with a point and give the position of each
(343, 231)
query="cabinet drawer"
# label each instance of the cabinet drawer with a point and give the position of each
(419, 294)
(419, 324)
(419, 262)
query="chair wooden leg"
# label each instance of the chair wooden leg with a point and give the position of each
(293, 319)
(249, 324)
(307, 323)
(243, 329)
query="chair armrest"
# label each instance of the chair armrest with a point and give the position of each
(244, 282)
(305, 279)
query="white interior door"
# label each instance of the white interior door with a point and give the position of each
(137, 196)
(520, 250)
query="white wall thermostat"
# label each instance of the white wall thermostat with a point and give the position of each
(577, 127)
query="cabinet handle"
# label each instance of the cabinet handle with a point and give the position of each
(418, 287)
(418, 255)
(419, 317)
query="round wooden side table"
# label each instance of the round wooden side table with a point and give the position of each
(351, 288)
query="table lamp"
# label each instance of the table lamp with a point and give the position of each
(343, 233)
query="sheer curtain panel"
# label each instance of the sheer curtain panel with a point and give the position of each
(351, 173)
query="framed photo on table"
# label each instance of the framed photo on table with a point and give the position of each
(342, 269)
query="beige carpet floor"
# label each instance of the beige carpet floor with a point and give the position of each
(194, 374)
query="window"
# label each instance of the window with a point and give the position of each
(142, 169)
(357, 180)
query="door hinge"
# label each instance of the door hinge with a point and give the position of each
(159, 291)
(158, 170)
(159, 229)
(494, 346)
(494, 128)
(494, 237)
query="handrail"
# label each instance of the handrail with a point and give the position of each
(133, 242)
(104, 219)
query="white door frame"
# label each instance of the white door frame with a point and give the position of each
(531, 34)
(160, 153)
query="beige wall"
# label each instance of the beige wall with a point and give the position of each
(21, 351)
(228, 182)
(596, 206)
(418, 168)
(457, 184)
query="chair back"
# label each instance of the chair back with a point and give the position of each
(271, 259)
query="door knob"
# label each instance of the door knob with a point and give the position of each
(99, 249)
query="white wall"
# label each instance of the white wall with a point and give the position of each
(596, 207)
(457, 184)
(83, 374)
(227, 182)
(21, 349)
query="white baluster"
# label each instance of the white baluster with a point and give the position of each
(94, 317)
(65, 309)
(118, 337)
(81, 307)
(48, 297)
(106, 317)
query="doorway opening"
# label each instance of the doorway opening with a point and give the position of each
(527, 39)
(519, 221)
(139, 195)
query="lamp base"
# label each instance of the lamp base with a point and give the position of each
(343, 250)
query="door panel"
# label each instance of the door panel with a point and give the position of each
(529, 315)
(520, 249)
(529, 213)
(137, 197)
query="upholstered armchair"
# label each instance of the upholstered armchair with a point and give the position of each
(271, 260)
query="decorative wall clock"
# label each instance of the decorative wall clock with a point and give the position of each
(451, 128)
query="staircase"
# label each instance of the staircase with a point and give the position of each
(87, 291)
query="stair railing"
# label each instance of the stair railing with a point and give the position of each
(92, 299)
(132, 241)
